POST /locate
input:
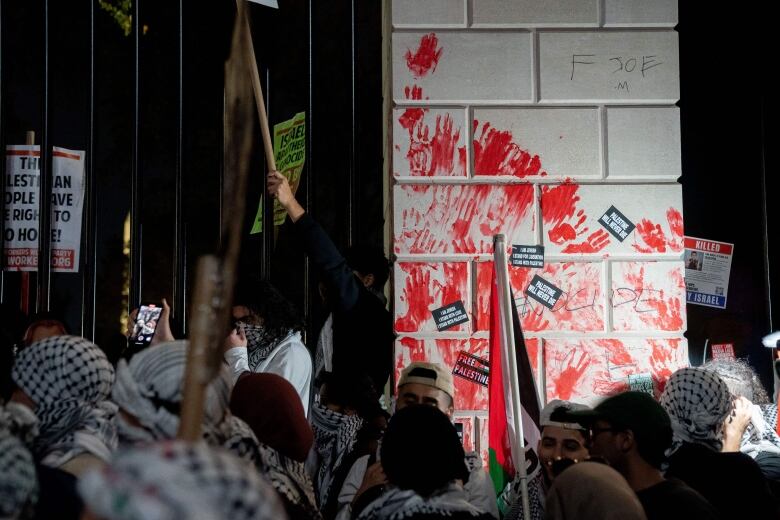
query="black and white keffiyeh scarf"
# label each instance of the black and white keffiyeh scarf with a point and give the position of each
(289, 478)
(150, 388)
(176, 480)
(69, 379)
(334, 436)
(760, 435)
(18, 481)
(259, 344)
(698, 402)
(397, 504)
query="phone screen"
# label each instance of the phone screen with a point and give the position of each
(145, 324)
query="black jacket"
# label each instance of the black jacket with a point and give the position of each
(363, 335)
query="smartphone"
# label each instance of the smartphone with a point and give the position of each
(459, 429)
(145, 324)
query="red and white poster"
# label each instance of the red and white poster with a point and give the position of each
(22, 208)
(707, 270)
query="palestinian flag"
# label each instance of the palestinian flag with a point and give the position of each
(503, 439)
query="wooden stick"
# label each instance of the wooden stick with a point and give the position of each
(216, 274)
(258, 91)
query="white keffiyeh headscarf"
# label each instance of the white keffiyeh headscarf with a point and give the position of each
(150, 388)
(698, 402)
(18, 481)
(175, 480)
(334, 436)
(69, 379)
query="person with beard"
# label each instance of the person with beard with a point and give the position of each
(267, 337)
(357, 338)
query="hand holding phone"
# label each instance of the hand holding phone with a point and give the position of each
(145, 324)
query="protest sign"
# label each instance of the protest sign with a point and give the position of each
(22, 208)
(450, 315)
(707, 270)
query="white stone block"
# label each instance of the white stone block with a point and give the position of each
(643, 142)
(566, 140)
(463, 66)
(609, 66)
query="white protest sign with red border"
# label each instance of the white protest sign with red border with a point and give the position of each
(22, 208)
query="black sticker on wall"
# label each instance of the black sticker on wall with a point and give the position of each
(527, 256)
(450, 315)
(543, 291)
(617, 223)
(473, 368)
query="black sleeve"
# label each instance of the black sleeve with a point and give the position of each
(343, 286)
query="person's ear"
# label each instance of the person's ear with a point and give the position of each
(627, 440)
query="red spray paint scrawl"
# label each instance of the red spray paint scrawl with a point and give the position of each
(579, 308)
(426, 57)
(648, 296)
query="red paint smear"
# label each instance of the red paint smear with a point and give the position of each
(675, 222)
(455, 279)
(496, 154)
(668, 313)
(417, 295)
(411, 118)
(559, 202)
(654, 237)
(561, 233)
(596, 241)
(462, 218)
(617, 353)
(413, 92)
(567, 379)
(426, 57)
(660, 361)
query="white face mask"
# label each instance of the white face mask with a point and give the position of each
(130, 434)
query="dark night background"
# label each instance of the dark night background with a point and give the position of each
(325, 58)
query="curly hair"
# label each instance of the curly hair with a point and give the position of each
(279, 315)
(741, 379)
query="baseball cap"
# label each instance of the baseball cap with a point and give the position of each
(429, 374)
(635, 411)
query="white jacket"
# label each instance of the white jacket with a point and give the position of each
(290, 359)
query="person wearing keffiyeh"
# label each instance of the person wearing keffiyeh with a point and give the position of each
(699, 405)
(267, 337)
(174, 480)
(271, 407)
(149, 392)
(67, 380)
(424, 461)
(18, 480)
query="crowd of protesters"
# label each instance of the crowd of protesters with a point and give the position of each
(301, 433)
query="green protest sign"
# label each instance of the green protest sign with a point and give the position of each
(290, 154)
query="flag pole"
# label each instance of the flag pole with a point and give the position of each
(509, 356)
